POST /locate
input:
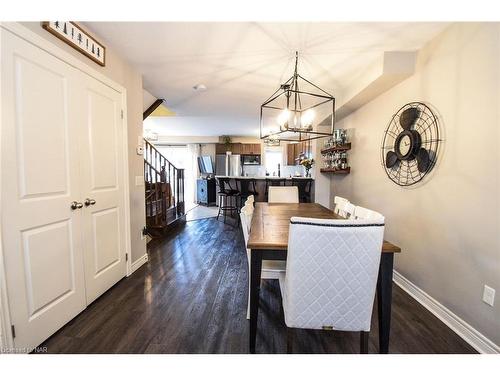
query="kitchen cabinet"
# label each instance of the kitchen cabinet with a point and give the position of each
(238, 148)
(291, 153)
(294, 150)
(250, 149)
(246, 149)
(221, 148)
(206, 191)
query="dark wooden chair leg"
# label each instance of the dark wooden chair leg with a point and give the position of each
(255, 273)
(363, 342)
(220, 204)
(289, 340)
(224, 199)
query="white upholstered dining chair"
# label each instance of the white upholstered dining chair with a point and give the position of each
(250, 200)
(348, 211)
(339, 205)
(249, 208)
(271, 269)
(283, 194)
(365, 213)
(331, 275)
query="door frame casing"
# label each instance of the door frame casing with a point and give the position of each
(6, 339)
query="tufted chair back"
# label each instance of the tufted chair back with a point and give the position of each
(339, 205)
(331, 273)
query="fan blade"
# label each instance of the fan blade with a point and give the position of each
(423, 160)
(408, 117)
(391, 159)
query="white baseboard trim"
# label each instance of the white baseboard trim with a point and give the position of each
(138, 263)
(472, 336)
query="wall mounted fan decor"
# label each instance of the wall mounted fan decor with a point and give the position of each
(410, 144)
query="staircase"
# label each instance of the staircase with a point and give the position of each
(164, 185)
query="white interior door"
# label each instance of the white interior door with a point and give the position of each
(102, 155)
(40, 178)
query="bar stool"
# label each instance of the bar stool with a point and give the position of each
(228, 198)
(304, 186)
(274, 182)
(248, 186)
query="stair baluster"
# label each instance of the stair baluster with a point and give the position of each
(164, 186)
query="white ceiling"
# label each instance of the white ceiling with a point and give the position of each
(242, 64)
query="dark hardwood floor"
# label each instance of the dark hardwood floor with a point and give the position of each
(191, 298)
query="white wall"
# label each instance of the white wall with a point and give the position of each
(447, 225)
(147, 100)
(121, 72)
(207, 143)
(322, 193)
(181, 125)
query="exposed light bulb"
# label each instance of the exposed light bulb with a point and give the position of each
(283, 117)
(307, 118)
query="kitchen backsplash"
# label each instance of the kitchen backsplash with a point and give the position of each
(260, 170)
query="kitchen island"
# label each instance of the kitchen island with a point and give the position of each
(260, 184)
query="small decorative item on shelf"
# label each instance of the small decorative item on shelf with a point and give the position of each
(328, 143)
(339, 137)
(338, 142)
(307, 163)
(334, 152)
(335, 160)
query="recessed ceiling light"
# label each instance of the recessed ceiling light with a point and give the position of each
(199, 87)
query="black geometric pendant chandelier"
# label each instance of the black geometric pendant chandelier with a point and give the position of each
(298, 111)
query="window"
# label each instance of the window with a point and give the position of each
(273, 157)
(177, 155)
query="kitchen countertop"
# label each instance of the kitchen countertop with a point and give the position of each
(264, 177)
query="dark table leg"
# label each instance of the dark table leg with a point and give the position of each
(384, 300)
(255, 270)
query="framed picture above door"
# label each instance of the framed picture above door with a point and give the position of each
(74, 35)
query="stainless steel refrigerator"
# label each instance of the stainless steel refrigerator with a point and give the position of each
(228, 165)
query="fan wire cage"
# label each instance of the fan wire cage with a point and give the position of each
(407, 172)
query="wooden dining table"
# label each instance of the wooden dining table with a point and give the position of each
(269, 241)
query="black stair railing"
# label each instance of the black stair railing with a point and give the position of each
(164, 186)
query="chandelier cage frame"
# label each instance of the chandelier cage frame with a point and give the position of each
(291, 89)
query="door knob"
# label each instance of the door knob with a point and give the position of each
(89, 202)
(75, 205)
